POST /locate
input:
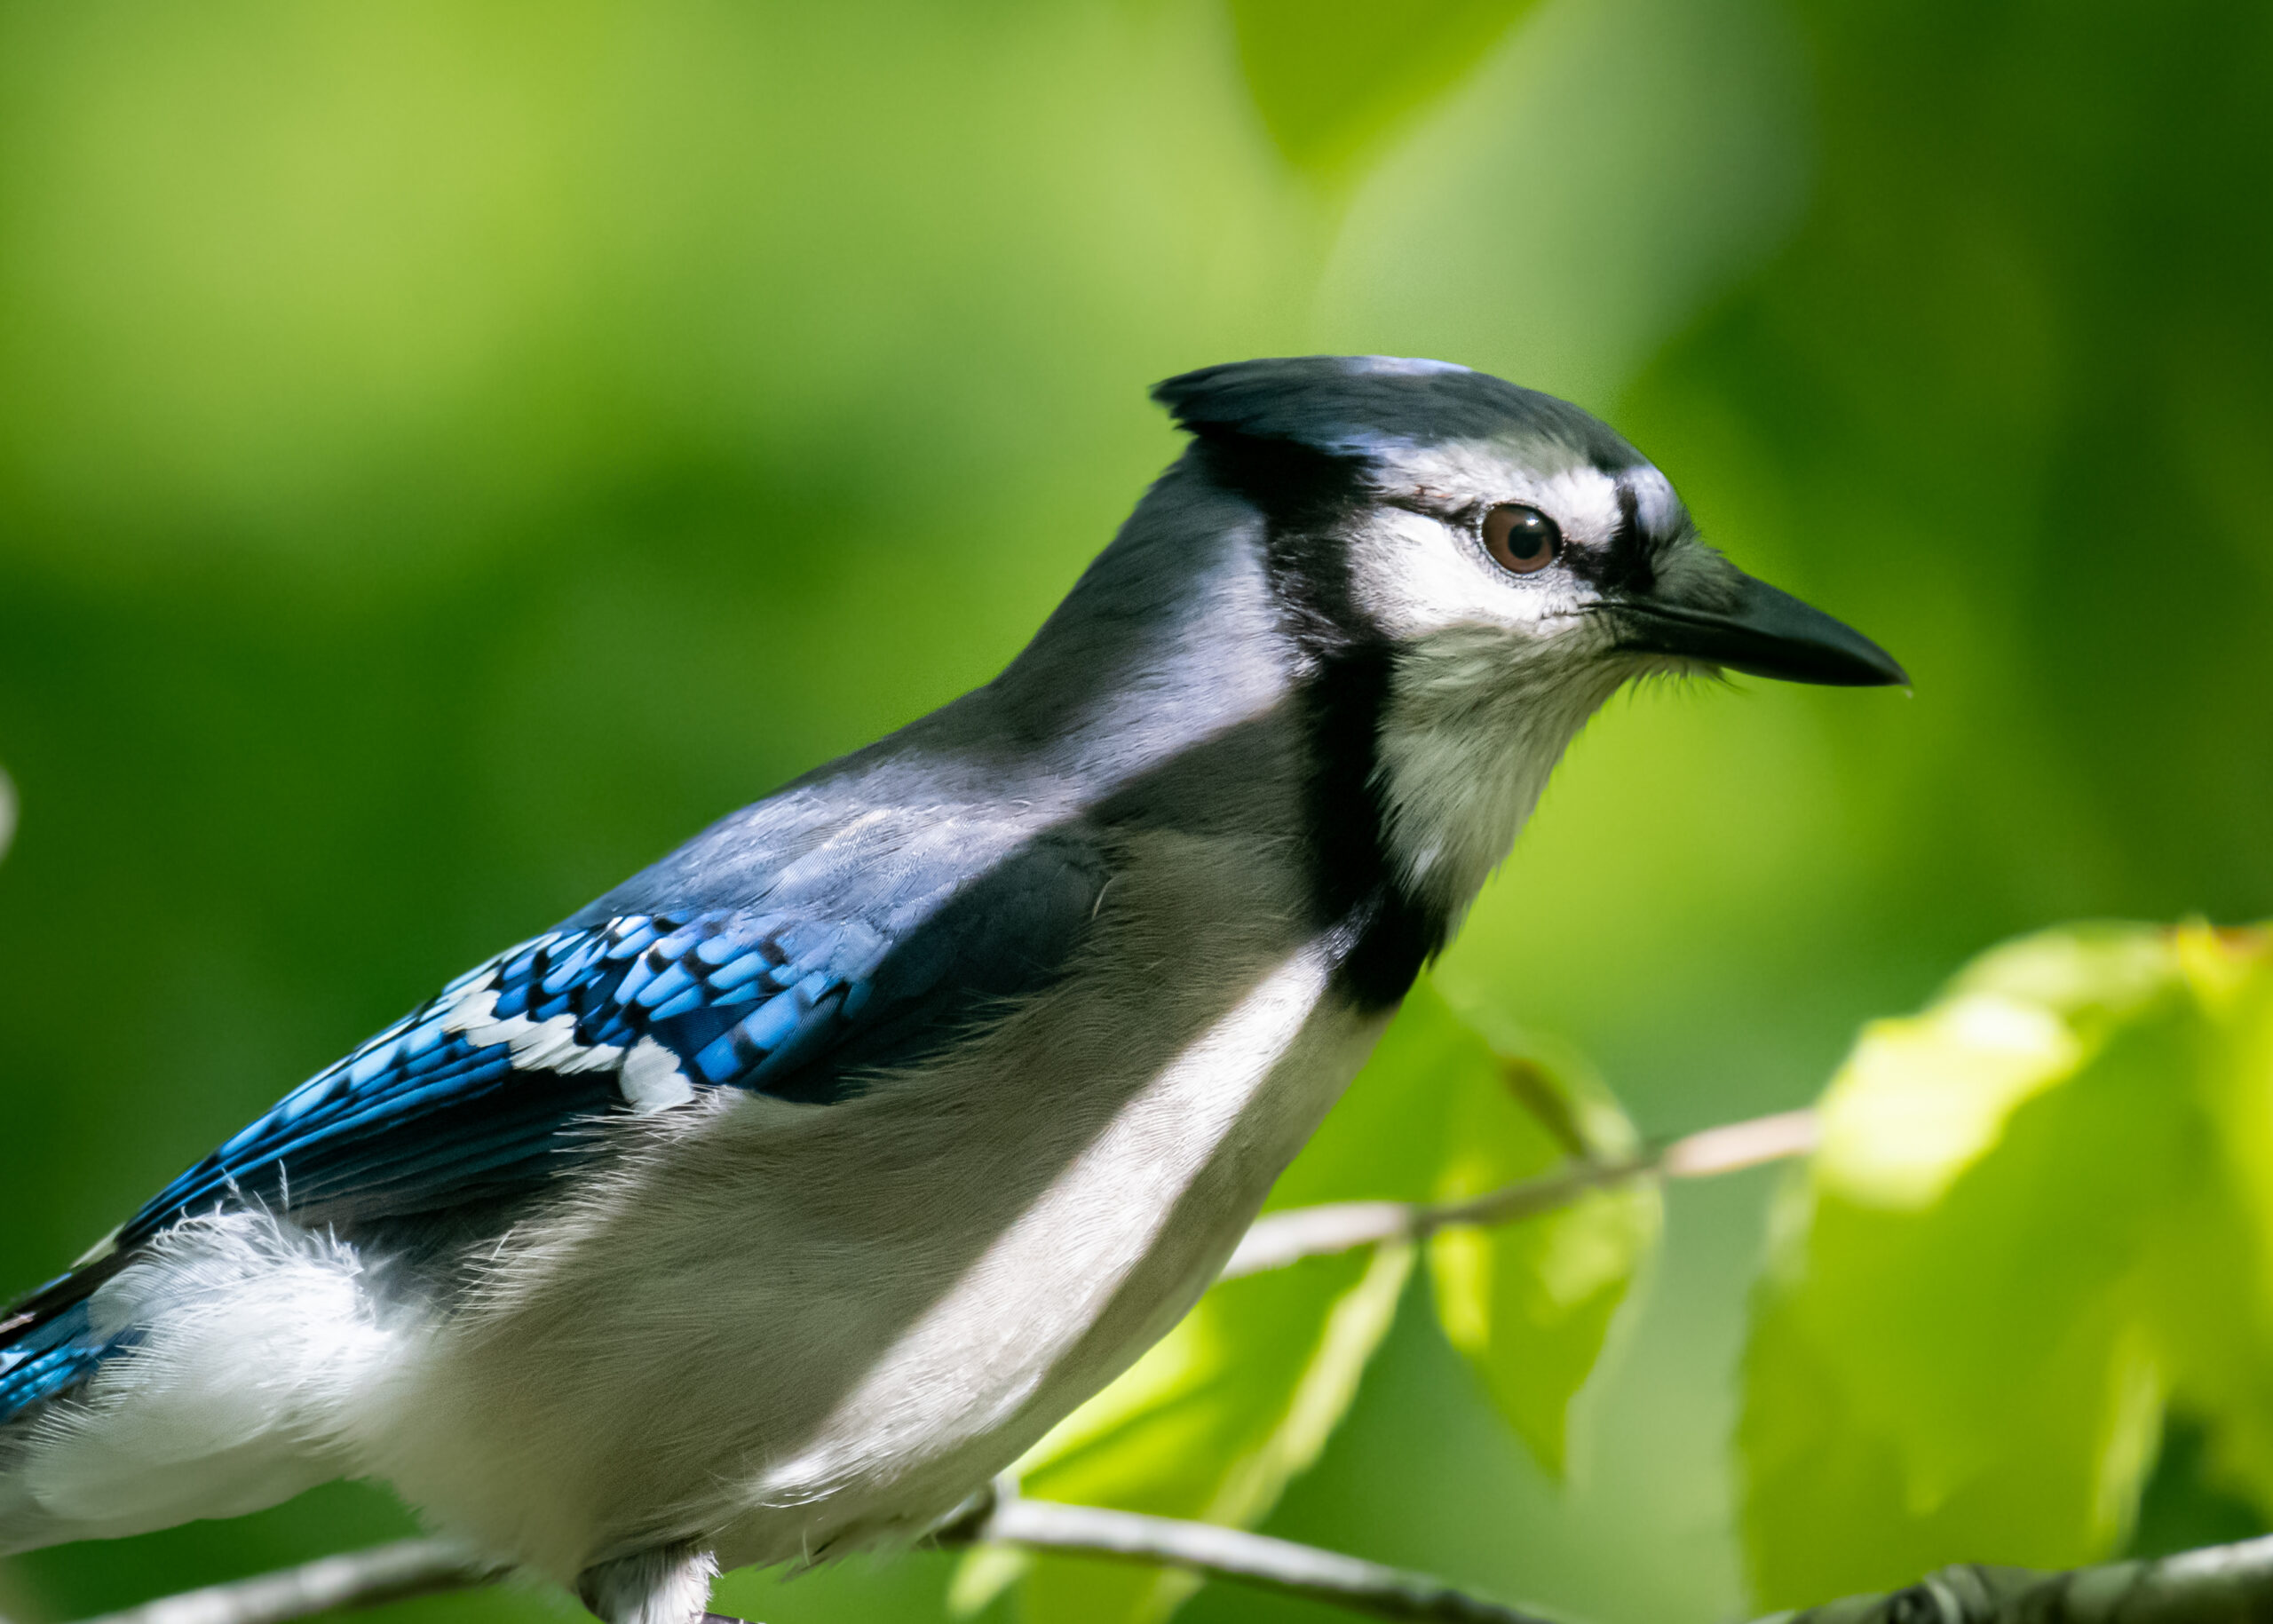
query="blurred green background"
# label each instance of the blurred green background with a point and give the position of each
(450, 453)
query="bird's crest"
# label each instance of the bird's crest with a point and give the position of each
(1372, 406)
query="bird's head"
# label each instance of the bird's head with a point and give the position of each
(1505, 559)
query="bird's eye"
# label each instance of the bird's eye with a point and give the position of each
(1521, 540)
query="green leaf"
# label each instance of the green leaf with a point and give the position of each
(2210, 1287)
(1214, 1421)
(1529, 1304)
(1333, 77)
(2030, 1223)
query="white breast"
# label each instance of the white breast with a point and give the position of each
(1007, 1336)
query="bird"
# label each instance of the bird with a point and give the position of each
(767, 1207)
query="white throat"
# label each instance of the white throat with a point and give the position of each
(1476, 722)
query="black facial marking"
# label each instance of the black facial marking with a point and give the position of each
(1626, 565)
(1309, 498)
(1352, 880)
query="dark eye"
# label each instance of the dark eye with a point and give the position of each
(1521, 540)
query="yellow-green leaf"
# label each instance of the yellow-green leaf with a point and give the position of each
(2211, 1285)
(2027, 1227)
(1213, 1422)
(1529, 1304)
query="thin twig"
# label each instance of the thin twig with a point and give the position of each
(1278, 1239)
(2222, 1584)
(1364, 1587)
(359, 1579)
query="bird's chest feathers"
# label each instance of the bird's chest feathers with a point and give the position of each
(1472, 729)
(1112, 1236)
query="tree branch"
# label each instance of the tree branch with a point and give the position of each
(1278, 1239)
(426, 1567)
(2222, 1584)
(1355, 1585)
(359, 1579)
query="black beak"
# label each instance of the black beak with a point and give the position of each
(1763, 632)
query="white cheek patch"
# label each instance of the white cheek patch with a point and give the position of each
(1416, 576)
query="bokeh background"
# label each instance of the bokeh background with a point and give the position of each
(450, 452)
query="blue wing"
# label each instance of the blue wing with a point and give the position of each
(495, 1078)
(492, 1086)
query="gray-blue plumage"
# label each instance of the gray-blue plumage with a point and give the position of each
(770, 1203)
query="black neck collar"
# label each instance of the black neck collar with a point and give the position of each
(1309, 499)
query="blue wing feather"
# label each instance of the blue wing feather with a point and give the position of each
(50, 1356)
(540, 1035)
(492, 1087)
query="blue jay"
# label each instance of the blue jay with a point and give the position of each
(772, 1203)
